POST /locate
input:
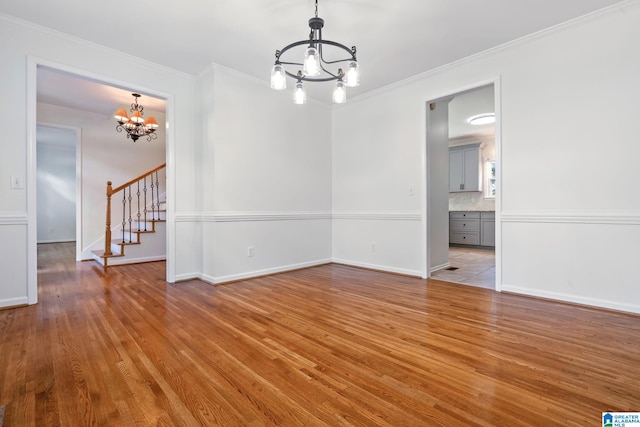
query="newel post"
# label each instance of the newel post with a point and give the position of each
(107, 237)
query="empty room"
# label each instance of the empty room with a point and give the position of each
(252, 213)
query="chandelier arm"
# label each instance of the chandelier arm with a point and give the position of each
(312, 79)
(290, 63)
(329, 42)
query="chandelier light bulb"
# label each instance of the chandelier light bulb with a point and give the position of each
(299, 94)
(311, 64)
(121, 116)
(278, 77)
(353, 74)
(339, 93)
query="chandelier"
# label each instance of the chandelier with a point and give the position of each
(315, 68)
(136, 125)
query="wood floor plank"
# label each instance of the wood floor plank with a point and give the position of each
(329, 345)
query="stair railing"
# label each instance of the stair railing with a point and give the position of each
(128, 201)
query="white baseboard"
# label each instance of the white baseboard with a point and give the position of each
(385, 268)
(264, 272)
(575, 299)
(440, 267)
(124, 260)
(56, 241)
(13, 302)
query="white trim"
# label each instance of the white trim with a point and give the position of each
(440, 267)
(49, 32)
(295, 216)
(612, 218)
(575, 299)
(57, 241)
(379, 216)
(13, 302)
(17, 218)
(256, 273)
(250, 216)
(125, 261)
(497, 100)
(377, 267)
(263, 216)
(497, 49)
(32, 168)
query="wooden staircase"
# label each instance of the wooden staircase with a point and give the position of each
(141, 235)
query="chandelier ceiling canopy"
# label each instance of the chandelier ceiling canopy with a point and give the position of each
(315, 67)
(136, 125)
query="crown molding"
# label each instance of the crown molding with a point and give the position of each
(500, 48)
(95, 46)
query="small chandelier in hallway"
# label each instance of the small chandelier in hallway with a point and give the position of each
(315, 66)
(136, 125)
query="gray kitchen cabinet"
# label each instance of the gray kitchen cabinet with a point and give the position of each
(488, 228)
(465, 168)
(472, 228)
(464, 228)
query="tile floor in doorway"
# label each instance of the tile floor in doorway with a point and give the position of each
(476, 267)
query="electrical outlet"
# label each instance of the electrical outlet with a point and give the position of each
(250, 252)
(412, 191)
(373, 246)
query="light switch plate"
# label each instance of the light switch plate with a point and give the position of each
(17, 182)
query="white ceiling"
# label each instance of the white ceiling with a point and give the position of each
(395, 39)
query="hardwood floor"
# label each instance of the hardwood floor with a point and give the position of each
(330, 345)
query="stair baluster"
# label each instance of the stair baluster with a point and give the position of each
(138, 213)
(130, 219)
(153, 206)
(128, 199)
(157, 195)
(144, 190)
(124, 209)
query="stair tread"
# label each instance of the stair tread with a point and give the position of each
(101, 254)
(120, 242)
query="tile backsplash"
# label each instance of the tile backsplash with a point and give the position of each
(470, 201)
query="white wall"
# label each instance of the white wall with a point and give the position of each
(22, 46)
(567, 160)
(266, 179)
(56, 166)
(378, 147)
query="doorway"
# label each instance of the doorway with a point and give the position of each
(68, 98)
(59, 185)
(475, 261)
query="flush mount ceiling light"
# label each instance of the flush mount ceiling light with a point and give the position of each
(482, 119)
(136, 125)
(315, 66)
